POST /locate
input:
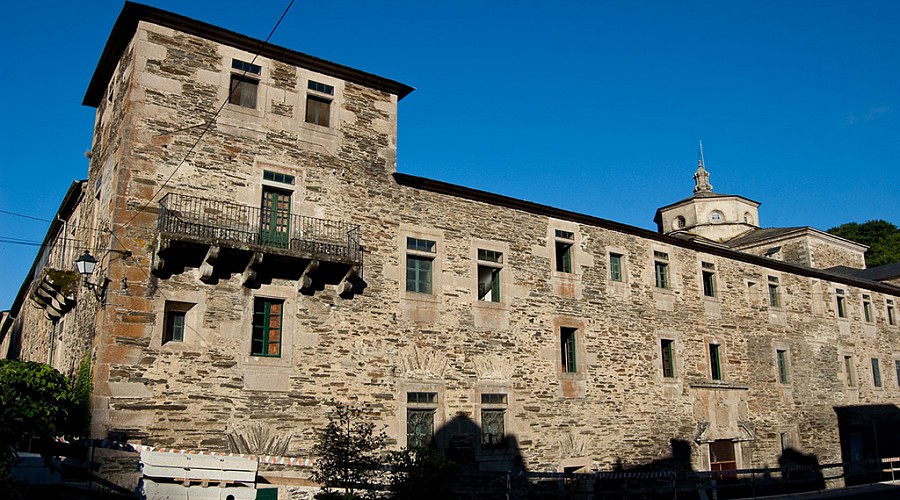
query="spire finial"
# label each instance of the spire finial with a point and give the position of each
(701, 177)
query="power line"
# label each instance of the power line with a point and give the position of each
(25, 216)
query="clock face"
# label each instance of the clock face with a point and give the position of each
(716, 216)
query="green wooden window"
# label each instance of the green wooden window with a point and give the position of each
(867, 307)
(774, 300)
(564, 243)
(841, 309)
(488, 270)
(876, 373)
(174, 330)
(708, 277)
(420, 264)
(615, 267)
(243, 91)
(890, 312)
(661, 271)
(668, 358)
(567, 349)
(267, 327)
(781, 365)
(419, 427)
(318, 110)
(275, 218)
(715, 365)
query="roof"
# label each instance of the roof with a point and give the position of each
(704, 195)
(879, 273)
(132, 13)
(761, 234)
(425, 184)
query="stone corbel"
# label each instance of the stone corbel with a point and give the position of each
(251, 272)
(307, 279)
(159, 263)
(345, 287)
(209, 264)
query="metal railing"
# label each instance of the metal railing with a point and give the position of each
(240, 225)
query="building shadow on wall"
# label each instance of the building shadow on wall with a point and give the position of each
(675, 477)
(490, 464)
(868, 434)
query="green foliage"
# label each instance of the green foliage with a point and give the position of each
(882, 238)
(35, 403)
(81, 398)
(347, 454)
(417, 470)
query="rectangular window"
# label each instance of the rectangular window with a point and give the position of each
(876, 373)
(275, 218)
(781, 362)
(867, 307)
(567, 349)
(175, 315)
(318, 110)
(320, 87)
(897, 369)
(841, 310)
(421, 397)
(849, 371)
(715, 365)
(268, 175)
(890, 312)
(245, 67)
(419, 427)
(615, 267)
(668, 358)
(709, 279)
(564, 242)
(661, 269)
(774, 299)
(493, 415)
(266, 327)
(490, 263)
(420, 255)
(243, 91)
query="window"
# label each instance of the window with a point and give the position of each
(567, 349)
(615, 267)
(668, 359)
(275, 217)
(318, 110)
(245, 67)
(564, 242)
(786, 441)
(876, 373)
(774, 299)
(890, 312)
(708, 275)
(849, 371)
(493, 414)
(661, 269)
(716, 216)
(715, 365)
(243, 91)
(419, 264)
(266, 327)
(679, 223)
(841, 305)
(320, 87)
(175, 314)
(268, 175)
(490, 263)
(781, 362)
(867, 307)
(420, 418)
(897, 369)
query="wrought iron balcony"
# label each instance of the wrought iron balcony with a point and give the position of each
(224, 226)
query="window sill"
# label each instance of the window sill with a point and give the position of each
(420, 297)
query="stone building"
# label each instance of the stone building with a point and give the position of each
(259, 256)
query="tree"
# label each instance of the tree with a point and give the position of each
(415, 471)
(35, 403)
(347, 454)
(882, 238)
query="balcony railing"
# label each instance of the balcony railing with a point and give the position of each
(230, 224)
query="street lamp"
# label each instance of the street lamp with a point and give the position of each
(86, 264)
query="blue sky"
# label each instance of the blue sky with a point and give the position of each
(595, 107)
